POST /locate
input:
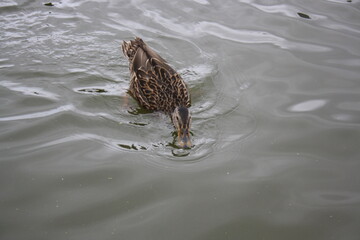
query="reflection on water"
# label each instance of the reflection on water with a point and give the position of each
(275, 107)
(308, 106)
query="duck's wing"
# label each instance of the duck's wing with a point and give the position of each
(154, 83)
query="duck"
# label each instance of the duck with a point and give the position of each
(158, 87)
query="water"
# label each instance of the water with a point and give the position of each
(275, 103)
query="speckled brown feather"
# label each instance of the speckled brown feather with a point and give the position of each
(153, 83)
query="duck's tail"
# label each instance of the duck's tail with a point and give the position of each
(129, 48)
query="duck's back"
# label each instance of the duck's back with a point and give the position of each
(154, 84)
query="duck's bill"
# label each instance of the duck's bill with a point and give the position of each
(184, 141)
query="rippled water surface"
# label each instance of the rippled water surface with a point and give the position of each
(275, 89)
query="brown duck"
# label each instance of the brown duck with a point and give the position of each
(158, 87)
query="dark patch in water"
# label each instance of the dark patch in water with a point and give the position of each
(49, 4)
(139, 110)
(132, 147)
(303, 15)
(139, 124)
(93, 90)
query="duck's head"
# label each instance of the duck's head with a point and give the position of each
(182, 121)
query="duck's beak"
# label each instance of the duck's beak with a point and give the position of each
(184, 139)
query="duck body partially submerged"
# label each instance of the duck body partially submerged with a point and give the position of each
(158, 87)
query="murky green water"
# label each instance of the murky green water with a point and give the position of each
(276, 121)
